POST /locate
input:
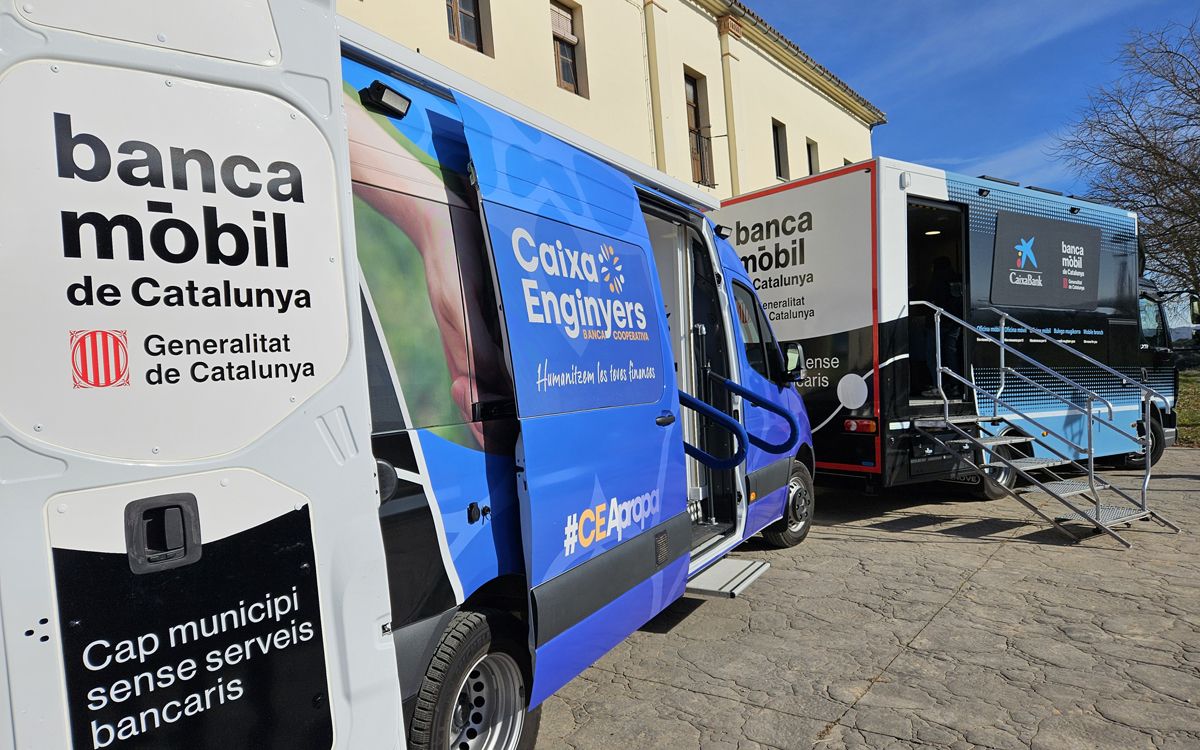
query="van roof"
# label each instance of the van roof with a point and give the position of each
(438, 77)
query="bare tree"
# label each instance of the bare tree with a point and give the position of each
(1137, 143)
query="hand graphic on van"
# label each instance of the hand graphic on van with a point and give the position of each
(415, 196)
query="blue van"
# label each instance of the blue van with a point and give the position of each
(351, 406)
(578, 404)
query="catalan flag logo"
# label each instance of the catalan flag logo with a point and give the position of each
(99, 359)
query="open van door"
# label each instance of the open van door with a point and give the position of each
(189, 521)
(600, 459)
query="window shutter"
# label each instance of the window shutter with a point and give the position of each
(562, 23)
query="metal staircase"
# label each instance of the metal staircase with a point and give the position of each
(1003, 440)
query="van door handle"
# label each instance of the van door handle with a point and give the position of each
(664, 419)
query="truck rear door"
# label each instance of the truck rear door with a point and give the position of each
(603, 504)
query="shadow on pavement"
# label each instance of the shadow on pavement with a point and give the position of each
(984, 528)
(664, 622)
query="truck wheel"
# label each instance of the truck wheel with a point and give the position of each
(997, 480)
(798, 512)
(1158, 444)
(474, 696)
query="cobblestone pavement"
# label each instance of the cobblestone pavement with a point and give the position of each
(921, 619)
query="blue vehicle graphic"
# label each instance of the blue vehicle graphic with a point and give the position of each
(572, 380)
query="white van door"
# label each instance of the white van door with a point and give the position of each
(187, 499)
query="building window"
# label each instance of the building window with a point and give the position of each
(462, 16)
(814, 164)
(779, 139)
(699, 144)
(566, 48)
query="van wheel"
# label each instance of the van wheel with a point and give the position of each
(1158, 445)
(798, 512)
(474, 695)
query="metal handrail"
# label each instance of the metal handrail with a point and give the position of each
(1090, 360)
(1147, 394)
(1005, 347)
(722, 419)
(1112, 425)
(1070, 443)
(702, 159)
(1038, 483)
(787, 446)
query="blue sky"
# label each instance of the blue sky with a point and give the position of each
(973, 87)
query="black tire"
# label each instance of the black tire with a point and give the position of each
(996, 485)
(1158, 445)
(477, 646)
(798, 510)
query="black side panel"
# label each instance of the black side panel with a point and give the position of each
(219, 654)
(769, 478)
(832, 358)
(567, 599)
(417, 579)
(415, 645)
(386, 415)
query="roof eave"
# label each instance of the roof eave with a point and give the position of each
(798, 61)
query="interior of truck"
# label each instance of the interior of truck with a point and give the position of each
(700, 347)
(936, 274)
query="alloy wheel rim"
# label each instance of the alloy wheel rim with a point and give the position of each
(1003, 475)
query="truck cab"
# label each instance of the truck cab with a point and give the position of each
(1169, 324)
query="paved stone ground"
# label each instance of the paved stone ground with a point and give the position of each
(921, 619)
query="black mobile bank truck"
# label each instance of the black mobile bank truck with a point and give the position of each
(968, 329)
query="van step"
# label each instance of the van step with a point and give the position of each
(1063, 487)
(1030, 464)
(727, 578)
(1107, 515)
(989, 440)
(961, 419)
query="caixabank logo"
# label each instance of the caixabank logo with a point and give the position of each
(1031, 249)
(1025, 254)
(99, 359)
(1025, 273)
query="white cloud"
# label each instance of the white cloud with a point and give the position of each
(962, 37)
(1029, 163)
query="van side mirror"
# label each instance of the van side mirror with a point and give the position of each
(793, 367)
(1195, 300)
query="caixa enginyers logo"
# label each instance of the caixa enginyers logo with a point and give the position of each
(610, 269)
(577, 290)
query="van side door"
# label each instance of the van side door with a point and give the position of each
(600, 457)
(767, 471)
